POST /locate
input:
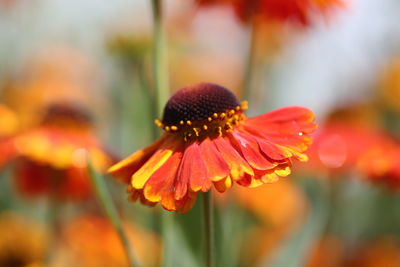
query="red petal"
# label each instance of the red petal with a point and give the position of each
(194, 169)
(251, 151)
(288, 119)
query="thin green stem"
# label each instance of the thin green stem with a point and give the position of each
(159, 58)
(208, 221)
(161, 93)
(249, 70)
(111, 212)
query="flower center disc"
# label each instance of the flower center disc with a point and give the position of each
(66, 114)
(201, 110)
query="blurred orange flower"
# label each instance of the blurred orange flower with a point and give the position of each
(22, 243)
(298, 11)
(280, 208)
(383, 252)
(381, 165)
(209, 141)
(91, 241)
(328, 251)
(8, 126)
(8, 121)
(389, 85)
(51, 157)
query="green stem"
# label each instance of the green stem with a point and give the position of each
(159, 58)
(249, 70)
(111, 212)
(208, 219)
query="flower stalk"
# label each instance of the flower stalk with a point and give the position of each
(250, 61)
(208, 224)
(111, 212)
(159, 58)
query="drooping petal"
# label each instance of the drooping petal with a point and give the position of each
(223, 185)
(131, 164)
(290, 120)
(164, 152)
(286, 128)
(185, 204)
(250, 149)
(160, 184)
(194, 169)
(237, 164)
(217, 168)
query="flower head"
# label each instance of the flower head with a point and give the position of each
(52, 156)
(208, 141)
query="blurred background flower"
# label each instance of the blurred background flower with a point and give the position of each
(338, 58)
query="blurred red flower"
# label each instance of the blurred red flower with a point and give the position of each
(339, 146)
(51, 158)
(209, 141)
(298, 11)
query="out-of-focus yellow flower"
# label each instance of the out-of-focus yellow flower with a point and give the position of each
(51, 158)
(390, 85)
(22, 243)
(91, 241)
(8, 121)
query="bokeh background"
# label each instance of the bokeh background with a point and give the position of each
(339, 209)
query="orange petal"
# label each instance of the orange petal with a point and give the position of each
(125, 168)
(194, 167)
(159, 186)
(157, 160)
(216, 166)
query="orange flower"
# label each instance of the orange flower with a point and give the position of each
(51, 157)
(208, 140)
(277, 10)
(91, 241)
